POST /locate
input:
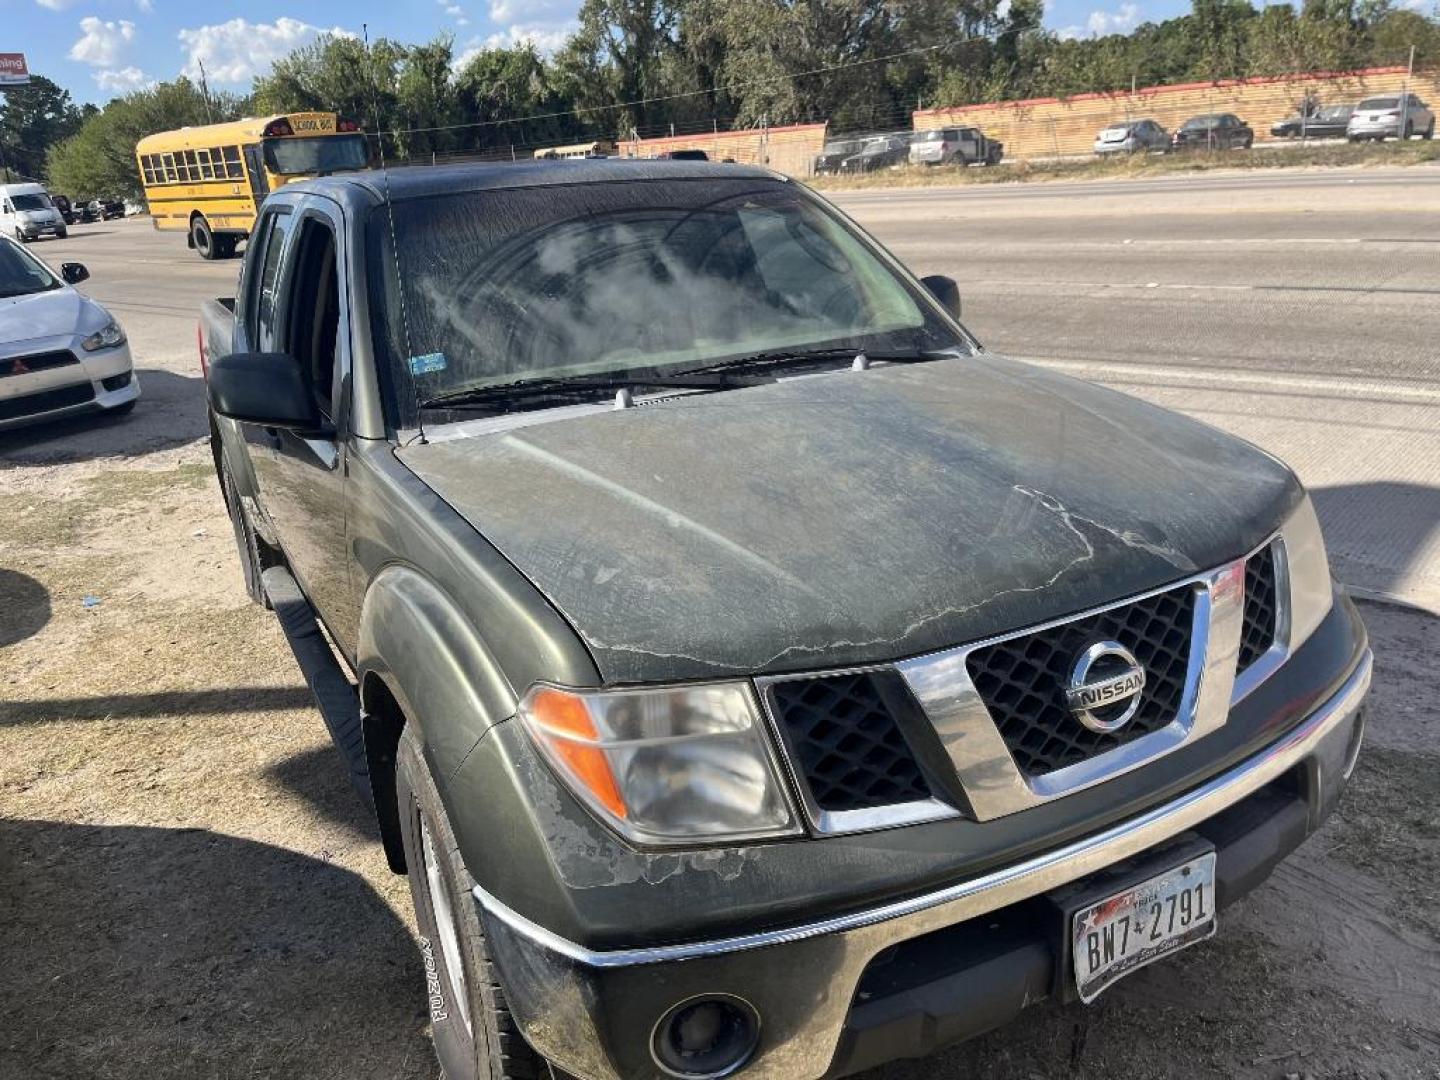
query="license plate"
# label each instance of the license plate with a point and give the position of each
(1125, 932)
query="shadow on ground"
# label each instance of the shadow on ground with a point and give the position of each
(179, 703)
(24, 606)
(170, 412)
(1380, 535)
(139, 953)
(319, 777)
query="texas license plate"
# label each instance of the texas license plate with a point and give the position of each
(1123, 933)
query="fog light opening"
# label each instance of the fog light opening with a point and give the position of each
(706, 1037)
(1352, 751)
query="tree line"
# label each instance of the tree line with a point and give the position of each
(649, 66)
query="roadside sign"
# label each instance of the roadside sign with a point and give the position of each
(13, 70)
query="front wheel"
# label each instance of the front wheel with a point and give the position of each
(475, 1036)
(1429, 132)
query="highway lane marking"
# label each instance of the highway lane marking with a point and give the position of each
(1236, 380)
(983, 285)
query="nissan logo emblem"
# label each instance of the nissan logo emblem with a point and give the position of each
(1104, 687)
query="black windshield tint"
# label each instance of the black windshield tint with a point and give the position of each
(21, 272)
(1380, 103)
(316, 154)
(30, 202)
(600, 279)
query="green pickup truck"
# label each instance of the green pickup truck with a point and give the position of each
(753, 674)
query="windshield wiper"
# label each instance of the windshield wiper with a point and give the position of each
(772, 358)
(478, 396)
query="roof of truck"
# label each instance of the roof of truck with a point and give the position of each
(428, 180)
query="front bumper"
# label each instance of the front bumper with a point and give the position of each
(593, 1011)
(31, 231)
(99, 381)
(1374, 129)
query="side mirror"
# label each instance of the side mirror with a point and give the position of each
(945, 290)
(265, 389)
(74, 273)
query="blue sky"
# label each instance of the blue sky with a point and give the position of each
(99, 48)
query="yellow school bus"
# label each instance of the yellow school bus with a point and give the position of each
(209, 181)
(601, 148)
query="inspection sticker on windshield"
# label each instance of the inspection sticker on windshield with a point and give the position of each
(430, 362)
(1125, 932)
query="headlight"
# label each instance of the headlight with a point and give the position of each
(665, 766)
(107, 337)
(1308, 570)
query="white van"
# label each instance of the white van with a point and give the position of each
(27, 213)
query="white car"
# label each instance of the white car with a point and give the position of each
(1381, 118)
(61, 353)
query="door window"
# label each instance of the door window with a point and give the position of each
(314, 310)
(261, 298)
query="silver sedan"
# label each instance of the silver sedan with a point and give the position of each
(60, 352)
(1132, 137)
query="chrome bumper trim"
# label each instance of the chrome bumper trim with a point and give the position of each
(1000, 888)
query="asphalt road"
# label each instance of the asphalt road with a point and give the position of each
(1299, 309)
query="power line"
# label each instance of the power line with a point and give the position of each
(717, 89)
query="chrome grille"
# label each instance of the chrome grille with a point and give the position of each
(845, 743)
(1022, 679)
(1257, 630)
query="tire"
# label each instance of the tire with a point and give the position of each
(1409, 131)
(203, 238)
(479, 1039)
(247, 543)
(62, 234)
(19, 237)
(1429, 132)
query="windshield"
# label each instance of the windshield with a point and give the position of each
(1336, 112)
(931, 136)
(316, 154)
(606, 279)
(21, 272)
(1202, 122)
(1380, 103)
(31, 202)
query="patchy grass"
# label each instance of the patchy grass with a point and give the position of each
(1331, 155)
(1388, 824)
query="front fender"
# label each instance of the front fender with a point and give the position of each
(444, 678)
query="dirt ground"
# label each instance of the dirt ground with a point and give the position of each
(188, 888)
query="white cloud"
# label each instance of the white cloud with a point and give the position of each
(1122, 21)
(54, 5)
(533, 12)
(101, 43)
(122, 80)
(146, 6)
(546, 37)
(238, 50)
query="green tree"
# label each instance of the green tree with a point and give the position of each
(99, 159)
(33, 119)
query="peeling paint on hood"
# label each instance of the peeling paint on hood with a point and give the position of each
(853, 517)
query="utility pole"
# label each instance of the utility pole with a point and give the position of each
(205, 91)
(1405, 94)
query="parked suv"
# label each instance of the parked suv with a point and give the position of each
(955, 146)
(1391, 118)
(754, 675)
(1132, 137)
(1218, 131)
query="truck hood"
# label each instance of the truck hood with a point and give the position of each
(851, 517)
